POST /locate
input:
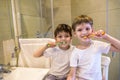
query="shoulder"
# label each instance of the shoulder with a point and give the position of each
(102, 46)
(75, 53)
(72, 47)
(75, 50)
(52, 49)
(99, 43)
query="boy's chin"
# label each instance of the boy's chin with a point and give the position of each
(85, 40)
(64, 46)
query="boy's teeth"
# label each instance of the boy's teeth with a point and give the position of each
(62, 42)
(85, 37)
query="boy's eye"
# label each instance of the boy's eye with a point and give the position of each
(59, 36)
(63, 36)
(87, 29)
(79, 30)
(67, 36)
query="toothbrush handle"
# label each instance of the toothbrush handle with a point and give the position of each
(57, 43)
(94, 34)
(103, 32)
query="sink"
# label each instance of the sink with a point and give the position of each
(22, 73)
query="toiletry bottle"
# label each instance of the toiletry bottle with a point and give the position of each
(1, 72)
(13, 61)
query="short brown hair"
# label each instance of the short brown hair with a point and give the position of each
(81, 19)
(63, 27)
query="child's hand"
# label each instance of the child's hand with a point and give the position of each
(51, 44)
(69, 78)
(99, 34)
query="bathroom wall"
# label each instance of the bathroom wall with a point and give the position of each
(62, 11)
(31, 21)
(36, 15)
(6, 27)
(106, 16)
(30, 18)
(114, 30)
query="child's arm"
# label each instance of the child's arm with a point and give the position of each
(115, 43)
(41, 50)
(72, 74)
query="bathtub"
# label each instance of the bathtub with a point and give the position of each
(28, 47)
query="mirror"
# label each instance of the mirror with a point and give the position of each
(38, 19)
(35, 18)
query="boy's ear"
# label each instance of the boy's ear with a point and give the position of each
(74, 34)
(92, 29)
(55, 38)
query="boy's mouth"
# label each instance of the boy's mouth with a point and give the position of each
(92, 35)
(58, 43)
(61, 43)
(85, 37)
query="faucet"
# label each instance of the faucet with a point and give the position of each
(4, 69)
(45, 35)
(39, 35)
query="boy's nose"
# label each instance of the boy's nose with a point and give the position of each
(84, 32)
(63, 38)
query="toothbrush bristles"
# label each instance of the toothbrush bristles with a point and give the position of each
(60, 43)
(63, 42)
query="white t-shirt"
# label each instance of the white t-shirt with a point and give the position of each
(60, 63)
(88, 61)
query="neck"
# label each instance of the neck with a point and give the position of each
(65, 48)
(84, 45)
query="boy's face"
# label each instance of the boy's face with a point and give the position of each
(83, 30)
(63, 37)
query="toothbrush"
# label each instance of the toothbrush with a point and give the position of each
(93, 34)
(58, 43)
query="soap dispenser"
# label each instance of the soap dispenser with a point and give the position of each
(13, 60)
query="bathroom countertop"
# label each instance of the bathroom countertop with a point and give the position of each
(22, 73)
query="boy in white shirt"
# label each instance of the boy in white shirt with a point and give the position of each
(59, 51)
(85, 60)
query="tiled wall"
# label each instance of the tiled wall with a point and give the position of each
(6, 28)
(114, 30)
(31, 20)
(62, 12)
